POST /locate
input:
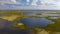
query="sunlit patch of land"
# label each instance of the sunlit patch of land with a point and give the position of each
(10, 18)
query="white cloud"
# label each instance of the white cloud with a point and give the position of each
(34, 2)
(28, 0)
(50, 2)
(56, 5)
(2, 2)
(47, 1)
(14, 1)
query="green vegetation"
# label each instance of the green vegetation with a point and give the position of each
(50, 27)
(54, 27)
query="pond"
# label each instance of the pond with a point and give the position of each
(36, 22)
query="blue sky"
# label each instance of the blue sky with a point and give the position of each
(22, 5)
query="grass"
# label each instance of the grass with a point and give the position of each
(50, 27)
(54, 27)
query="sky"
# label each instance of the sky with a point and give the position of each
(29, 4)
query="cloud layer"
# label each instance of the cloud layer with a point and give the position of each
(32, 5)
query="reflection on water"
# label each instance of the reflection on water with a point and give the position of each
(36, 22)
